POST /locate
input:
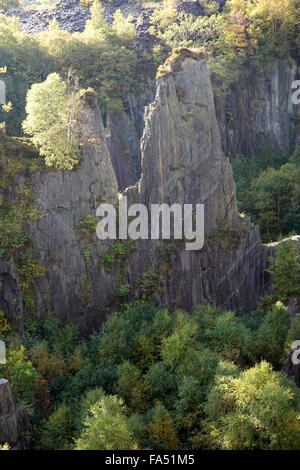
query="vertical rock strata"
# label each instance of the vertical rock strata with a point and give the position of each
(182, 162)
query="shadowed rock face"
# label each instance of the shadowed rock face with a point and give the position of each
(125, 131)
(259, 107)
(14, 421)
(10, 295)
(64, 198)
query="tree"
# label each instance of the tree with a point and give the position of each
(107, 427)
(270, 24)
(285, 269)
(256, 410)
(51, 112)
(26, 63)
(132, 388)
(123, 27)
(21, 374)
(292, 219)
(272, 334)
(273, 195)
(230, 338)
(162, 428)
(97, 22)
(58, 429)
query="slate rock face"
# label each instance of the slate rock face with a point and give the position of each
(14, 422)
(10, 294)
(258, 107)
(64, 199)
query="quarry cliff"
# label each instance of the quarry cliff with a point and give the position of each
(182, 160)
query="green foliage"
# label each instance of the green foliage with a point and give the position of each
(52, 112)
(57, 431)
(21, 374)
(123, 27)
(293, 333)
(87, 226)
(107, 427)
(162, 429)
(132, 388)
(13, 217)
(182, 381)
(117, 254)
(181, 342)
(231, 339)
(12, 236)
(184, 30)
(268, 190)
(119, 338)
(271, 25)
(285, 269)
(162, 382)
(273, 196)
(4, 327)
(89, 377)
(245, 32)
(91, 398)
(98, 56)
(292, 220)
(26, 63)
(272, 334)
(254, 411)
(59, 339)
(50, 365)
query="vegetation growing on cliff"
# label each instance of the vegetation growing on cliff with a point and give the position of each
(246, 31)
(52, 117)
